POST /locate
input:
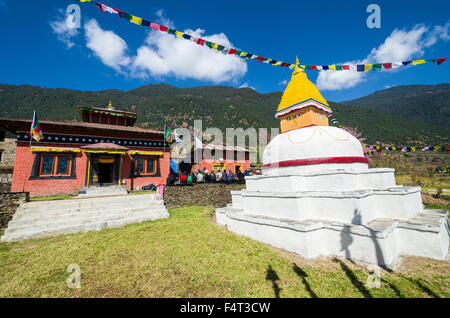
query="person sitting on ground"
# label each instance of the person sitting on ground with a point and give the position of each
(230, 176)
(170, 180)
(189, 179)
(240, 175)
(246, 173)
(218, 175)
(183, 178)
(194, 177)
(212, 177)
(224, 178)
(200, 177)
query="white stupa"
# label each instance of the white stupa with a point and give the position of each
(316, 195)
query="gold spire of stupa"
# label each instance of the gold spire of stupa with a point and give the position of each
(299, 93)
(301, 98)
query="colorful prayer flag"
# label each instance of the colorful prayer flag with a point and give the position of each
(35, 130)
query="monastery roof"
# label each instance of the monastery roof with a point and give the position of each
(300, 93)
(14, 124)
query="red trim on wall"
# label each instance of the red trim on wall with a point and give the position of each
(317, 161)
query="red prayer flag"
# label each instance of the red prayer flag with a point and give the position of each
(232, 51)
(261, 59)
(440, 61)
(163, 28)
(118, 11)
(200, 42)
(313, 67)
(346, 67)
(154, 26)
(387, 66)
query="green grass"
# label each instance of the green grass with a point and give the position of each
(187, 255)
(438, 207)
(54, 197)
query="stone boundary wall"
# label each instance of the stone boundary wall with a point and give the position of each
(8, 154)
(5, 182)
(215, 195)
(9, 202)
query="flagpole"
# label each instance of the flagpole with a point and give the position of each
(27, 165)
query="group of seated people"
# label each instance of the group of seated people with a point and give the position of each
(200, 176)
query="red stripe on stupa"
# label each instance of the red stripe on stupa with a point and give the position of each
(316, 161)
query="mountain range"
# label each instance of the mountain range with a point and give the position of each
(405, 115)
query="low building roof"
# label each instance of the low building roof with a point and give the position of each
(104, 146)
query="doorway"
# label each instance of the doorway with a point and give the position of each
(104, 170)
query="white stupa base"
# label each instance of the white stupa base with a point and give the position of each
(380, 242)
(357, 214)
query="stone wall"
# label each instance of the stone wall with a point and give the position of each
(5, 180)
(9, 202)
(8, 154)
(207, 194)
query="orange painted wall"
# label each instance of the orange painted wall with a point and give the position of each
(23, 164)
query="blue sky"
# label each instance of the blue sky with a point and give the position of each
(109, 52)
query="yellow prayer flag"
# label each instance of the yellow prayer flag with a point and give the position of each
(332, 67)
(413, 149)
(215, 46)
(418, 62)
(179, 34)
(277, 63)
(136, 20)
(244, 53)
(367, 67)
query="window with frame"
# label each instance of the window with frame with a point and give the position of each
(52, 165)
(146, 165)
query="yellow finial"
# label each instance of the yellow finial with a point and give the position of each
(110, 105)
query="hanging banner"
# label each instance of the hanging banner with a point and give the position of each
(250, 56)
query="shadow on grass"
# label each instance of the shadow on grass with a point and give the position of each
(273, 277)
(355, 281)
(302, 274)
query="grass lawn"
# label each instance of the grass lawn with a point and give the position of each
(187, 255)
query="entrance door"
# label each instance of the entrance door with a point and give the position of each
(104, 170)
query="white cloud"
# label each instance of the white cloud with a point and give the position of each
(166, 55)
(64, 28)
(401, 45)
(246, 85)
(283, 83)
(108, 46)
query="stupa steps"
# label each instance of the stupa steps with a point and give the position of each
(339, 206)
(326, 180)
(380, 241)
(38, 219)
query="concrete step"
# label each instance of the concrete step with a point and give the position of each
(50, 217)
(94, 226)
(14, 227)
(83, 203)
(108, 190)
(58, 211)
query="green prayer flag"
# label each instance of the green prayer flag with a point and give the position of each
(338, 67)
(171, 31)
(377, 67)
